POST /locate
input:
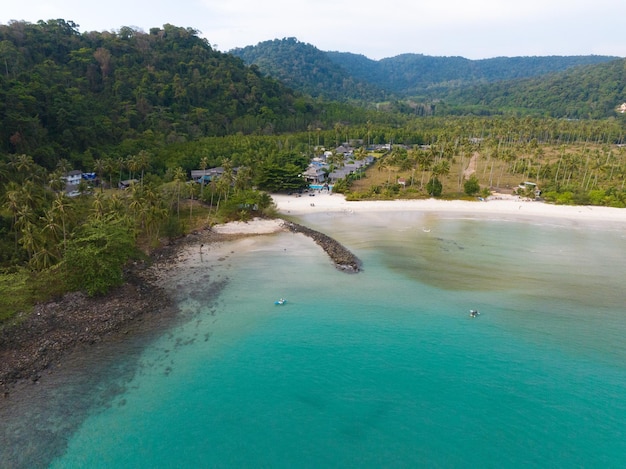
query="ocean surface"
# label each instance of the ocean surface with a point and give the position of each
(384, 368)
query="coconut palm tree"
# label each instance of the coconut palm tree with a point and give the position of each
(143, 162)
(13, 203)
(441, 168)
(204, 162)
(132, 164)
(61, 207)
(99, 167)
(179, 177)
(27, 238)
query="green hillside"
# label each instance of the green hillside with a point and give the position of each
(593, 91)
(345, 76)
(417, 74)
(69, 95)
(305, 68)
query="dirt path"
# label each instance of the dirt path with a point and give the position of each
(471, 167)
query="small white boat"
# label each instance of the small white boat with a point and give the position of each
(282, 301)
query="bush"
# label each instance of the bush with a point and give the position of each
(434, 187)
(471, 186)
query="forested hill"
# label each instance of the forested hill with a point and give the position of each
(308, 69)
(593, 91)
(64, 94)
(416, 74)
(341, 75)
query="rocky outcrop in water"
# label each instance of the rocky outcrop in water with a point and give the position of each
(344, 259)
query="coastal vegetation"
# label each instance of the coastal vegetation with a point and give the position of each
(141, 111)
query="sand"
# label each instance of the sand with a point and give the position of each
(511, 206)
(252, 227)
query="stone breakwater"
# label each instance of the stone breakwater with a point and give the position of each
(344, 259)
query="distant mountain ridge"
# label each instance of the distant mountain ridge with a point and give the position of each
(410, 74)
(592, 91)
(456, 80)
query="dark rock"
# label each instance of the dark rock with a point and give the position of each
(344, 259)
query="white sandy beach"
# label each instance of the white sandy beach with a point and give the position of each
(501, 205)
(254, 226)
(509, 207)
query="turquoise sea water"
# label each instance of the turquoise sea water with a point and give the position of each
(379, 369)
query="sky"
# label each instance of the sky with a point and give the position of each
(474, 29)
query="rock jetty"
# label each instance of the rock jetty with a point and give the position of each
(344, 259)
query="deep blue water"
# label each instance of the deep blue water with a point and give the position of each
(380, 369)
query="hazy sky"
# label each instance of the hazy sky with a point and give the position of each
(473, 29)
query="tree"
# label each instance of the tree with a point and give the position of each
(94, 259)
(204, 162)
(275, 178)
(434, 187)
(179, 179)
(471, 186)
(243, 179)
(99, 166)
(61, 206)
(142, 162)
(13, 203)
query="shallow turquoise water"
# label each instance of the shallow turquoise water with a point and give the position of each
(384, 368)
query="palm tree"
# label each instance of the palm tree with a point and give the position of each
(47, 251)
(179, 178)
(441, 168)
(243, 179)
(61, 206)
(204, 162)
(360, 155)
(425, 161)
(56, 181)
(13, 204)
(121, 164)
(155, 214)
(336, 160)
(44, 258)
(132, 163)
(64, 166)
(99, 166)
(27, 240)
(338, 129)
(136, 203)
(51, 229)
(24, 165)
(143, 162)
(116, 204)
(110, 167)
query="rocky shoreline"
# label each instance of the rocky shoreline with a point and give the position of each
(37, 344)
